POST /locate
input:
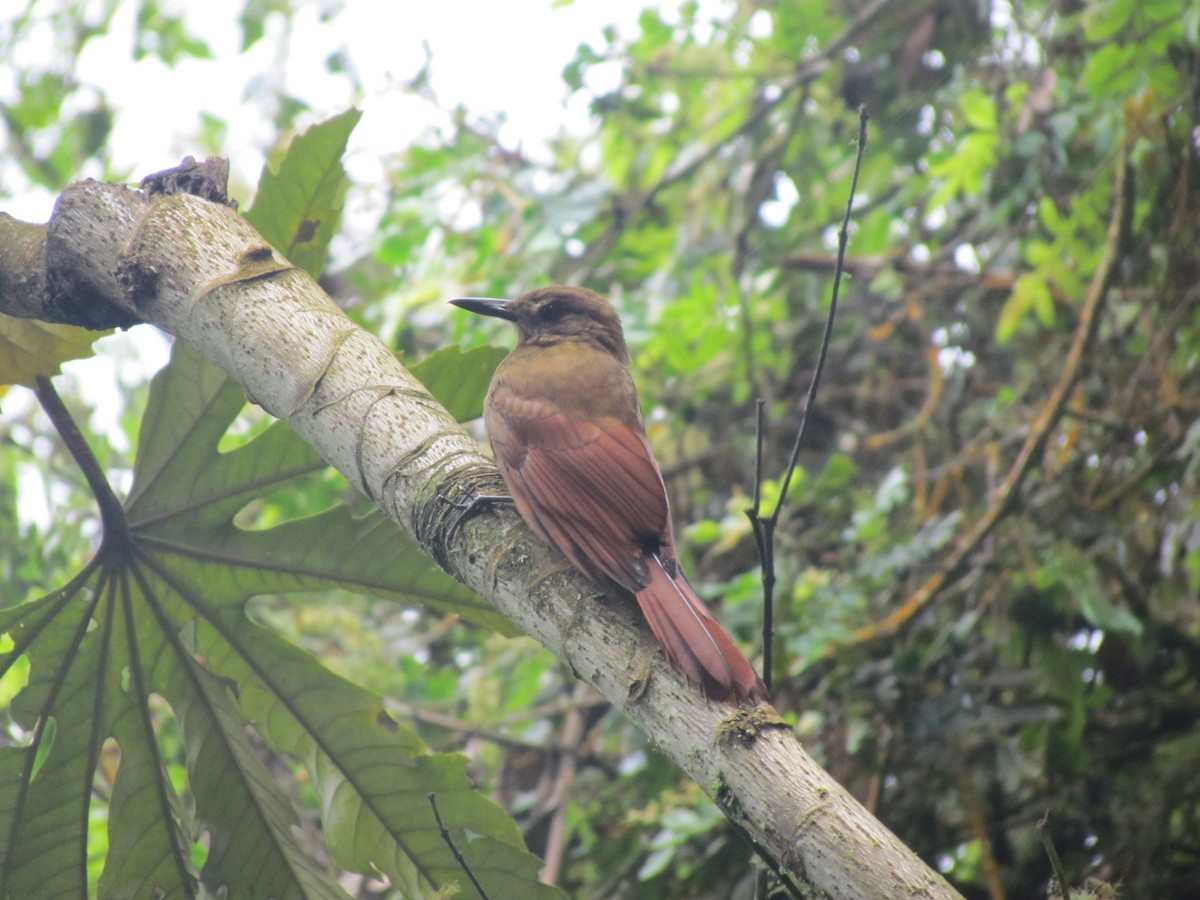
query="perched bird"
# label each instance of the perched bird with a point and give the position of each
(566, 429)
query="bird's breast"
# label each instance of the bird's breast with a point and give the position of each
(571, 379)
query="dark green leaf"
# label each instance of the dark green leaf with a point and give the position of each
(459, 379)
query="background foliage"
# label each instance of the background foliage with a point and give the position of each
(990, 571)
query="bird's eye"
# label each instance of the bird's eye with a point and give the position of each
(551, 312)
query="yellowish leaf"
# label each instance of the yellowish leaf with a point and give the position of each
(29, 348)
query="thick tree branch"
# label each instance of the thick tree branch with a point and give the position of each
(198, 271)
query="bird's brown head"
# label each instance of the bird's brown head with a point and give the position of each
(557, 315)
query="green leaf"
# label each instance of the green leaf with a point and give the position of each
(1105, 20)
(374, 778)
(29, 348)
(459, 380)
(166, 36)
(155, 628)
(1030, 294)
(979, 110)
(251, 822)
(1111, 70)
(1069, 567)
(1106, 615)
(299, 201)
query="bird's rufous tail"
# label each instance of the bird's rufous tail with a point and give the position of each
(695, 642)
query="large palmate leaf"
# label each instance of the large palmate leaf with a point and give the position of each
(154, 629)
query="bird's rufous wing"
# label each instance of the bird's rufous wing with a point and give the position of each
(591, 487)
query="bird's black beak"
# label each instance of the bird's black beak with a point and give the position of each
(486, 306)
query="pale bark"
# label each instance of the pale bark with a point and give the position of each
(197, 270)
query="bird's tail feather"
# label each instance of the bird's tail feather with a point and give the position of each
(695, 642)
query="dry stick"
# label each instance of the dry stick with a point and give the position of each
(1048, 417)
(445, 832)
(568, 765)
(843, 239)
(764, 529)
(1043, 830)
(766, 548)
(470, 730)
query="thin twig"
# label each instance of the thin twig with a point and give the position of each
(843, 240)
(445, 832)
(764, 529)
(765, 549)
(1043, 830)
